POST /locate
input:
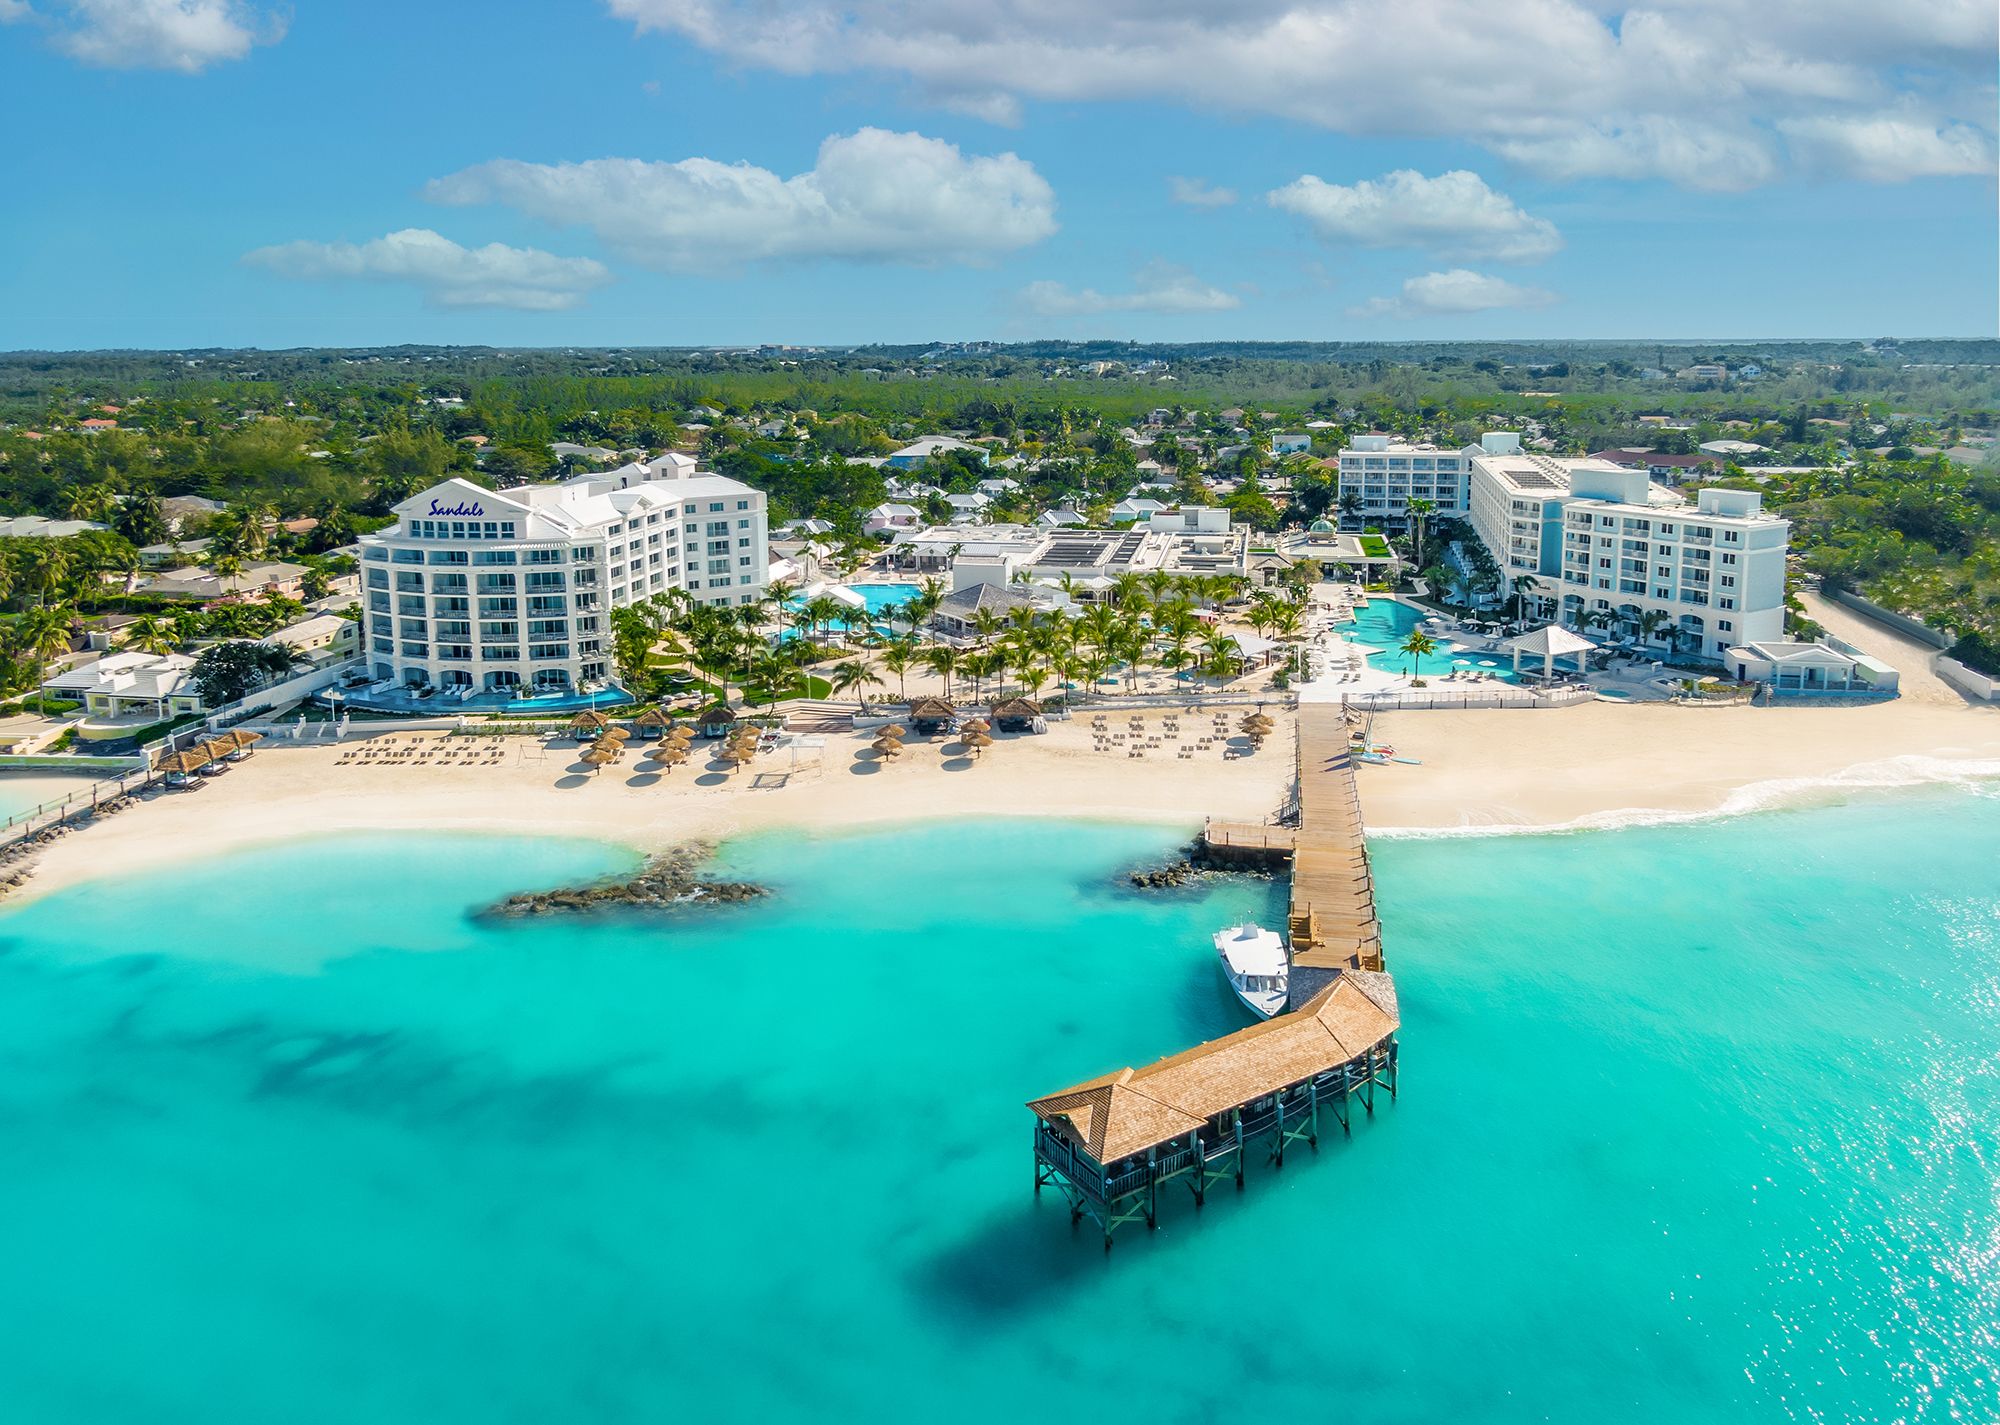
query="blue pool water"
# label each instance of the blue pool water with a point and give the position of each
(878, 596)
(1385, 623)
(316, 1147)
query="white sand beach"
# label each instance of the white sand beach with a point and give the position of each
(1595, 764)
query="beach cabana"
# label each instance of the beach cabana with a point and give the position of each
(933, 715)
(1017, 715)
(585, 722)
(715, 720)
(1550, 642)
(181, 766)
(651, 723)
(234, 744)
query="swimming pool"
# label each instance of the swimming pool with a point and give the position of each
(1385, 623)
(877, 596)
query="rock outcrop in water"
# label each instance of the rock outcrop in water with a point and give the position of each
(1189, 862)
(670, 880)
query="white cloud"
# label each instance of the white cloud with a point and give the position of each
(449, 275)
(1891, 147)
(1198, 193)
(183, 35)
(1454, 214)
(871, 196)
(1458, 292)
(12, 10)
(1159, 288)
(1689, 90)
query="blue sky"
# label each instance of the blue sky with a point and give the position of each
(209, 172)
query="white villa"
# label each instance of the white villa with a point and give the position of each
(481, 591)
(1792, 668)
(126, 684)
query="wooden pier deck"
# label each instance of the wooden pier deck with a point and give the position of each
(1110, 1142)
(1331, 922)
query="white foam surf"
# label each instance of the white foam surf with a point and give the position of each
(1891, 773)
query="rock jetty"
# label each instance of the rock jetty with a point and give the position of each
(1188, 863)
(671, 880)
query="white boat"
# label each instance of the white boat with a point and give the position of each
(1256, 966)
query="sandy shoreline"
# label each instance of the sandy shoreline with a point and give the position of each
(1532, 769)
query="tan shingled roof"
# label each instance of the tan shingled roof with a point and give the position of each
(1121, 1114)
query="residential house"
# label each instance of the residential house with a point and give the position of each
(1291, 442)
(323, 639)
(197, 585)
(173, 554)
(887, 518)
(155, 686)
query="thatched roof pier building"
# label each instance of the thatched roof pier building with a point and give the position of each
(1109, 1143)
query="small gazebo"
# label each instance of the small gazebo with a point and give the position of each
(1550, 642)
(933, 715)
(651, 723)
(1016, 714)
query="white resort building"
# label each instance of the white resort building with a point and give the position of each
(476, 591)
(1609, 547)
(1385, 474)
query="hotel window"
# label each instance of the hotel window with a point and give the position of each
(715, 508)
(742, 504)
(1723, 624)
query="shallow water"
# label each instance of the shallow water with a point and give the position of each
(1698, 1123)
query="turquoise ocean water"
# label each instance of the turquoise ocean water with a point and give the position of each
(1698, 1123)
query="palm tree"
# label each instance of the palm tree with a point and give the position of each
(1650, 623)
(40, 634)
(1520, 586)
(1420, 511)
(898, 655)
(943, 660)
(149, 633)
(1417, 645)
(852, 676)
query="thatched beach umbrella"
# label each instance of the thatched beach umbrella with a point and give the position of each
(185, 763)
(894, 729)
(978, 741)
(599, 757)
(976, 724)
(614, 734)
(887, 746)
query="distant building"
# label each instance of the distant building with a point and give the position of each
(931, 446)
(37, 527)
(1291, 442)
(1658, 464)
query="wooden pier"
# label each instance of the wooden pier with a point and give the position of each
(1109, 1143)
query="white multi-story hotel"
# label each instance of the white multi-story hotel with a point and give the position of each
(487, 591)
(1385, 474)
(1606, 544)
